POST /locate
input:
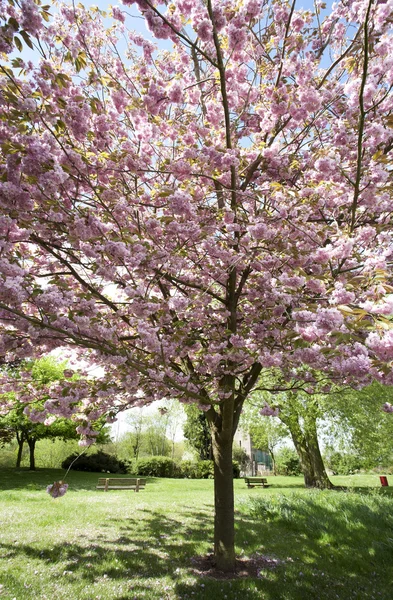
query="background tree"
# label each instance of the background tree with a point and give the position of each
(173, 413)
(133, 440)
(15, 423)
(152, 434)
(300, 412)
(359, 429)
(196, 430)
(267, 433)
(189, 219)
(241, 457)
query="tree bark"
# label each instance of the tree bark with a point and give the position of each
(222, 429)
(307, 447)
(273, 457)
(224, 519)
(305, 459)
(31, 442)
(321, 479)
(21, 440)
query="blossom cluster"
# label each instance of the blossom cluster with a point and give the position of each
(191, 217)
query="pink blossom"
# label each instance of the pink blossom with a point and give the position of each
(381, 344)
(328, 319)
(204, 30)
(31, 20)
(57, 489)
(118, 14)
(268, 411)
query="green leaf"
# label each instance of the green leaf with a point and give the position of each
(18, 43)
(46, 15)
(14, 23)
(27, 39)
(17, 63)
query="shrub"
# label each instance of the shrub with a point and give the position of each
(287, 462)
(157, 466)
(203, 469)
(188, 469)
(236, 469)
(99, 462)
(343, 463)
(163, 466)
(240, 457)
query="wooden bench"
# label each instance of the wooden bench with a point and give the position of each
(123, 483)
(253, 481)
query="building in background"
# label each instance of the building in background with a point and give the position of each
(260, 461)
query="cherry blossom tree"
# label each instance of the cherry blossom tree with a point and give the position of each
(189, 218)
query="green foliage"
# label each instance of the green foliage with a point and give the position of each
(155, 440)
(343, 463)
(8, 453)
(359, 426)
(240, 456)
(157, 466)
(203, 469)
(46, 370)
(287, 462)
(99, 462)
(149, 432)
(236, 469)
(50, 453)
(163, 466)
(15, 422)
(197, 431)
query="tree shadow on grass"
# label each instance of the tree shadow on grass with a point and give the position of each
(149, 546)
(327, 545)
(342, 539)
(338, 548)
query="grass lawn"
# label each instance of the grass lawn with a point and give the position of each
(122, 546)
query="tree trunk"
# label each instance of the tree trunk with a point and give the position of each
(224, 518)
(272, 456)
(321, 479)
(31, 442)
(222, 430)
(304, 457)
(307, 447)
(21, 440)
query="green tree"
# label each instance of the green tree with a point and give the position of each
(300, 413)
(240, 456)
(268, 434)
(358, 427)
(197, 431)
(17, 424)
(172, 413)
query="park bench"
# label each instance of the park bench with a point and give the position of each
(123, 483)
(253, 481)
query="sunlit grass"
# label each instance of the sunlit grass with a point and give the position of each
(122, 545)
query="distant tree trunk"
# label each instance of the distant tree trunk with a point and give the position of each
(321, 479)
(307, 447)
(272, 456)
(31, 442)
(305, 459)
(21, 440)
